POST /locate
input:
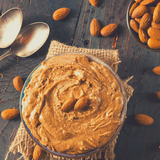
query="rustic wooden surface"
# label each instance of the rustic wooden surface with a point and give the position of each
(135, 141)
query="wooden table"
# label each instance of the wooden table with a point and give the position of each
(135, 141)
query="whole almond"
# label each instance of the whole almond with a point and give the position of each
(138, 19)
(153, 43)
(38, 153)
(95, 27)
(155, 25)
(139, 11)
(60, 13)
(9, 113)
(145, 21)
(134, 5)
(143, 36)
(147, 2)
(109, 29)
(151, 9)
(138, 1)
(156, 14)
(68, 104)
(94, 2)
(134, 25)
(80, 103)
(18, 83)
(143, 119)
(156, 70)
(158, 94)
(154, 33)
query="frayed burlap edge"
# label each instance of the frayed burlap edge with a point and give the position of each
(23, 143)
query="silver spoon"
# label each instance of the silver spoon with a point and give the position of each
(10, 25)
(29, 40)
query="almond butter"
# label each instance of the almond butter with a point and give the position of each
(68, 104)
(145, 21)
(138, 19)
(109, 29)
(156, 70)
(155, 25)
(38, 153)
(153, 43)
(147, 2)
(151, 10)
(143, 119)
(154, 33)
(134, 25)
(95, 27)
(80, 103)
(143, 36)
(156, 14)
(18, 83)
(134, 5)
(60, 13)
(94, 2)
(158, 94)
(139, 11)
(9, 114)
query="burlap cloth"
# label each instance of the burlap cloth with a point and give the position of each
(22, 142)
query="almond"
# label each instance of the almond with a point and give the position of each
(80, 103)
(109, 29)
(143, 119)
(154, 33)
(158, 94)
(155, 25)
(138, 19)
(147, 2)
(9, 113)
(145, 21)
(156, 14)
(153, 43)
(94, 2)
(156, 70)
(60, 13)
(134, 25)
(138, 1)
(38, 153)
(134, 5)
(143, 36)
(151, 9)
(18, 83)
(139, 11)
(95, 27)
(68, 104)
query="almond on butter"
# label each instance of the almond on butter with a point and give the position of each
(151, 9)
(80, 103)
(60, 13)
(95, 27)
(153, 43)
(134, 5)
(155, 25)
(147, 2)
(156, 14)
(156, 70)
(143, 119)
(94, 2)
(9, 114)
(145, 21)
(143, 36)
(109, 29)
(38, 153)
(68, 104)
(18, 83)
(158, 94)
(154, 33)
(138, 19)
(134, 25)
(139, 11)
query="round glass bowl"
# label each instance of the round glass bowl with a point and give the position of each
(133, 33)
(65, 155)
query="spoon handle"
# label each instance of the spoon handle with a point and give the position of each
(8, 53)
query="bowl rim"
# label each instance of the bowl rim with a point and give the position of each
(82, 155)
(133, 33)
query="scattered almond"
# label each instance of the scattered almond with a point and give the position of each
(139, 11)
(18, 83)
(143, 119)
(134, 25)
(9, 114)
(154, 33)
(38, 153)
(60, 13)
(147, 2)
(151, 10)
(134, 5)
(156, 70)
(155, 25)
(158, 94)
(145, 21)
(109, 29)
(95, 27)
(153, 43)
(156, 14)
(138, 19)
(68, 104)
(143, 36)
(80, 103)
(94, 2)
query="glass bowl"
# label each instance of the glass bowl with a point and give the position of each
(65, 155)
(133, 33)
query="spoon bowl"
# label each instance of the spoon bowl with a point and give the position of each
(10, 25)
